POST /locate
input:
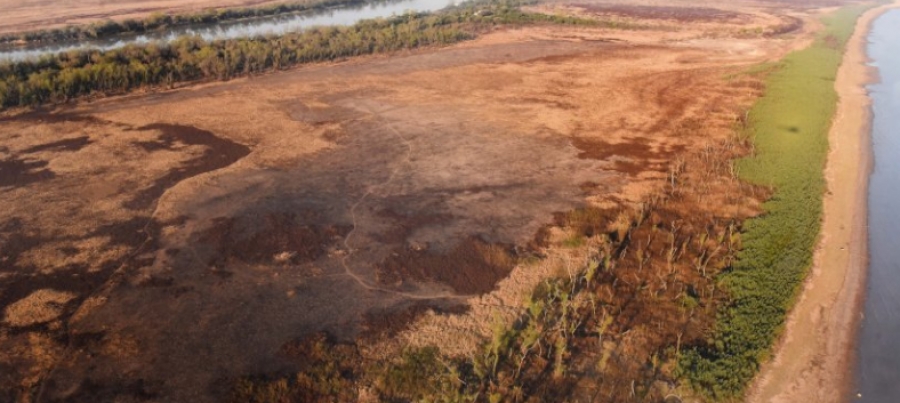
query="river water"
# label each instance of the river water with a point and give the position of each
(878, 366)
(240, 29)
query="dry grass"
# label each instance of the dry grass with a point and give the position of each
(41, 306)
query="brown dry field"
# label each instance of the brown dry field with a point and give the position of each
(156, 245)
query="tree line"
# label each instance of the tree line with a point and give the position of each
(158, 21)
(62, 77)
(79, 73)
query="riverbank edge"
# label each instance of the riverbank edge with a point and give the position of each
(816, 354)
(156, 21)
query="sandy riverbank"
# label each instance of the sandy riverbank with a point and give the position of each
(814, 360)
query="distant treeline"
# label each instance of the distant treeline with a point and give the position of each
(62, 77)
(157, 21)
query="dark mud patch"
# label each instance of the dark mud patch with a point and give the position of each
(404, 224)
(587, 221)
(273, 237)
(311, 345)
(631, 157)
(14, 240)
(472, 267)
(681, 14)
(70, 145)
(551, 102)
(136, 390)
(132, 232)
(21, 280)
(790, 25)
(156, 281)
(219, 153)
(73, 278)
(334, 135)
(388, 323)
(47, 115)
(319, 116)
(20, 172)
(541, 240)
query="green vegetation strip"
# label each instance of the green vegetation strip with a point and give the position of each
(789, 128)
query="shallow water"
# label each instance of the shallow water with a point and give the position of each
(240, 29)
(878, 366)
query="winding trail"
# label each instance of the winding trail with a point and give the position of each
(370, 191)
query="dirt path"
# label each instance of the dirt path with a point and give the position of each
(355, 225)
(814, 360)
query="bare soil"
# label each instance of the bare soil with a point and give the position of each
(395, 198)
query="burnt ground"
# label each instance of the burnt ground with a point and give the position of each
(218, 153)
(397, 212)
(484, 265)
(18, 172)
(85, 250)
(682, 14)
(642, 157)
(199, 232)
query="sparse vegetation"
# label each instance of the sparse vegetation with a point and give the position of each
(330, 369)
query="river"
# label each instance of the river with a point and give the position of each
(239, 29)
(878, 351)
